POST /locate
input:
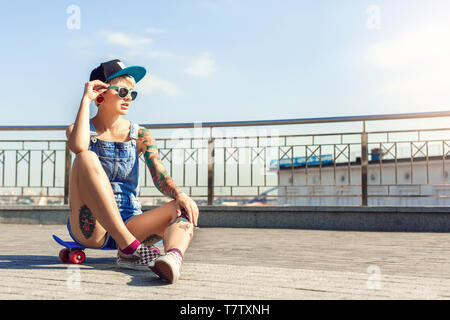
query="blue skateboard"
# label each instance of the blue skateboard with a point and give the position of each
(73, 252)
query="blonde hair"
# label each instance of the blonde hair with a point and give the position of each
(115, 81)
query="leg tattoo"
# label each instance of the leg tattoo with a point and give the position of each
(184, 224)
(87, 221)
(178, 220)
(151, 240)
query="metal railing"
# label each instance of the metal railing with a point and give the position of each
(248, 167)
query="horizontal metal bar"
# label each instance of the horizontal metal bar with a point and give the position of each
(33, 141)
(258, 122)
(259, 196)
(305, 120)
(407, 130)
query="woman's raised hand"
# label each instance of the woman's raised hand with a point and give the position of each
(93, 88)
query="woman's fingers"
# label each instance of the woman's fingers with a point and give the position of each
(189, 213)
(191, 209)
(94, 88)
(194, 218)
(98, 86)
(98, 82)
(194, 213)
(100, 91)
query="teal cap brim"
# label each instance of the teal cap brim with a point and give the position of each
(136, 72)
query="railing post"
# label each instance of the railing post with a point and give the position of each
(67, 174)
(364, 163)
(210, 168)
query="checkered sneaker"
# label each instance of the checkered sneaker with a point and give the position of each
(168, 267)
(143, 258)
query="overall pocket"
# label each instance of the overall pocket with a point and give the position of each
(117, 168)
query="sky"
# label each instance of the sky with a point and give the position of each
(228, 60)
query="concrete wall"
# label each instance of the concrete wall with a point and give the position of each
(408, 219)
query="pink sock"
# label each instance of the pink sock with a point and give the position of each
(131, 248)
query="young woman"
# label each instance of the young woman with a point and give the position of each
(104, 210)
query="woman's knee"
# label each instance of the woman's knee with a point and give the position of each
(172, 210)
(181, 220)
(87, 158)
(184, 217)
(86, 155)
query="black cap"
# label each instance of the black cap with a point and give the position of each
(115, 68)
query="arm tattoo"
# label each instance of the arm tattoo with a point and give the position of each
(87, 221)
(163, 182)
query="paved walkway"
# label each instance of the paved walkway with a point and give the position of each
(237, 264)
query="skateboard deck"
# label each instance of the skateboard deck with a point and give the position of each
(73, 252)
(75, 245)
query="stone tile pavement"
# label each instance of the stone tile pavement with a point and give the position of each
(237, 263)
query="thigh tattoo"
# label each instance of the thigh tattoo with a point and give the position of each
(87, 221)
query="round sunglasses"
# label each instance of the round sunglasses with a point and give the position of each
(123, 92)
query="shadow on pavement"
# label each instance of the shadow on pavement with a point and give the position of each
(42, 262)
(49, 262)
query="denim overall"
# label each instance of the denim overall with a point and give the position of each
(121, 164)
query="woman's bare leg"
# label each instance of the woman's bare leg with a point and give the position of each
(176, 232)
(93, 208)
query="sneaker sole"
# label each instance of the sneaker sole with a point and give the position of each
(132, 266)
(164, 271)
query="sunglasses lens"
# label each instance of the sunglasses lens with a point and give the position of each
(123, 92)
(133, 95)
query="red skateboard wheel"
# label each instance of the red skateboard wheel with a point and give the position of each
(77, 256)
(64, 255)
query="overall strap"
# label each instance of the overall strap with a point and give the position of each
(93, 133)
(134, 130)
(134, 133)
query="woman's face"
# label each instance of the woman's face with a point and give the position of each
(113, 102)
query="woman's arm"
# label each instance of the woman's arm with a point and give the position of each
(163, 182)
(161, 178)
(79, 132)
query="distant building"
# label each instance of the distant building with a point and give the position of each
(422, 179)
